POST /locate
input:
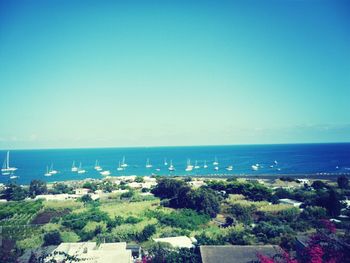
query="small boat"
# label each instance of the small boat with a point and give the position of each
(124, 164)
(165, 162)
(275, 162)
(216, 168)
(216, 161)
(196, 166)
(278, 169)
(255, 167)
(171, 167)
(14, 177)
(157, 169)
(97, 166)
(229, 168)
(80, 170)
(205, 166)
(119, 167)
(47, 171)
(52, 171)
(105, 173)
(148, 164)
(6, 169)
(74, 168)
(189, 166)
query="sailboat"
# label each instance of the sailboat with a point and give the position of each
(74, 168)
(6, 169)
(165, 162)
(189, 166)
(196, 166)
(119, 167)
(216, 161)
(105, 173)
(171, 166)
(47, 171)
(229, 168)
(205, 165)
(80, 170)
(148, 164)
(97, 166)
(124, 164)
(52, 171)
(255, 167)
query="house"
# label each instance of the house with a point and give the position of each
(292, 202)
(196, 184)
(236, 254)
(58, 197)
(178, 242)
(90, 252)
(82, 191)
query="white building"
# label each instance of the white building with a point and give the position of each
(82, 191)
(90, 252)
(292, 202)
(178, 242)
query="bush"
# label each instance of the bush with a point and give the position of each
(343, 182)
(52, 238)
(146, 233)
(243, 213)
(185, 219)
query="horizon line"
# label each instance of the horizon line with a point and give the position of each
(165, 146)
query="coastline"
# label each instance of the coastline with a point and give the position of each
(268, 177)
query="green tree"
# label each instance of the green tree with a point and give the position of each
(86, 199)
(343, 182)
(37, 187)
(14, 192)
(139, 179)
(146, 233)
(52, 238)
(243, 213)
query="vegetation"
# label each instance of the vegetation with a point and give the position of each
(223, 212)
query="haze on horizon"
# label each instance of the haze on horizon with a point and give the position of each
(117, 74)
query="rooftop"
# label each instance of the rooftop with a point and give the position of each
(236, 254)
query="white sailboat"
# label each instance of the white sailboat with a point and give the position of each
(105, 173)
(47, 172)
(165, 162)
(229, 168)
(97, 166)
(189, 166)
(148, 164)
(124, 164)
(6, 169)
(80, 170)
(52, 171)
(215, 161)
(205, 166)
(255, 167)
(119, 167)
(196, 166)
(74, 168)
(13, 176)
(171, 167)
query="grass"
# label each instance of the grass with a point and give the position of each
(125, 209)
(60, 205)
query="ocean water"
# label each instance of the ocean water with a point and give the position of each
(306, 159)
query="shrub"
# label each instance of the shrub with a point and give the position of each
(52, 238)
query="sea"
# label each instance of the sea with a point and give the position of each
(303, 160)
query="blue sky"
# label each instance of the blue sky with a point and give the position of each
(109, 73)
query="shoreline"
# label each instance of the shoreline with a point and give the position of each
(328, 177)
